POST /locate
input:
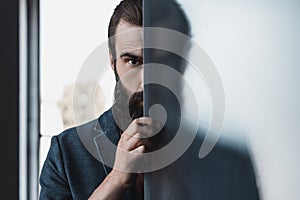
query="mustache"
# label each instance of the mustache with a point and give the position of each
(136, 105)
(124, 102)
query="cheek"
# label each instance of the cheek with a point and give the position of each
(131, 78)
(121, 68)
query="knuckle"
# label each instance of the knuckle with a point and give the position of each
(135, 129)
(123, 136)
(138, 135)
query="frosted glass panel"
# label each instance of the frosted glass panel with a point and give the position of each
(253, 47)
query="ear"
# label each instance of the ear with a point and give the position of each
(111, 60)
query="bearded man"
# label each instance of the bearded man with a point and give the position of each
(77, 167)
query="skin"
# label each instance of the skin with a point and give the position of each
(129, 65)
(129, 53)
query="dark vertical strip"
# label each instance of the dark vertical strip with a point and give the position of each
(9, 89)
(161, 15)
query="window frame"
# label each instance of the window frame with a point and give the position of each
(29, 118)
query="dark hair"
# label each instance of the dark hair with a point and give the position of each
(130, 11)
(168, 14)
(160, 13)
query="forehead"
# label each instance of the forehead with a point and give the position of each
(129, 38)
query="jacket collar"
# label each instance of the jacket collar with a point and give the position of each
(109, 127)
(106, 140)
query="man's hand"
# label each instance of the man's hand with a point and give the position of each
(133, 143)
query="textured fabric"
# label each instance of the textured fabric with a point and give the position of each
(72, 171)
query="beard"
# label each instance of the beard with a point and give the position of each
(126, 107)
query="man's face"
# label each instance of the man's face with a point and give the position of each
(129, 68)
(129, 56)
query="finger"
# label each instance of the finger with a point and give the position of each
(139, 132)
(144, 125)
(130, 131)
(136, 127)
(140, 149)
(134, 143)
(148, 121)
(144, 121)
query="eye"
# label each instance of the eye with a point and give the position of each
(133, 62)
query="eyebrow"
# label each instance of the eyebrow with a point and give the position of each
(127, 54)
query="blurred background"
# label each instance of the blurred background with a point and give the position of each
(254, 46)
(66, 41)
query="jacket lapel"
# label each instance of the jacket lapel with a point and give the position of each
(106, 141)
